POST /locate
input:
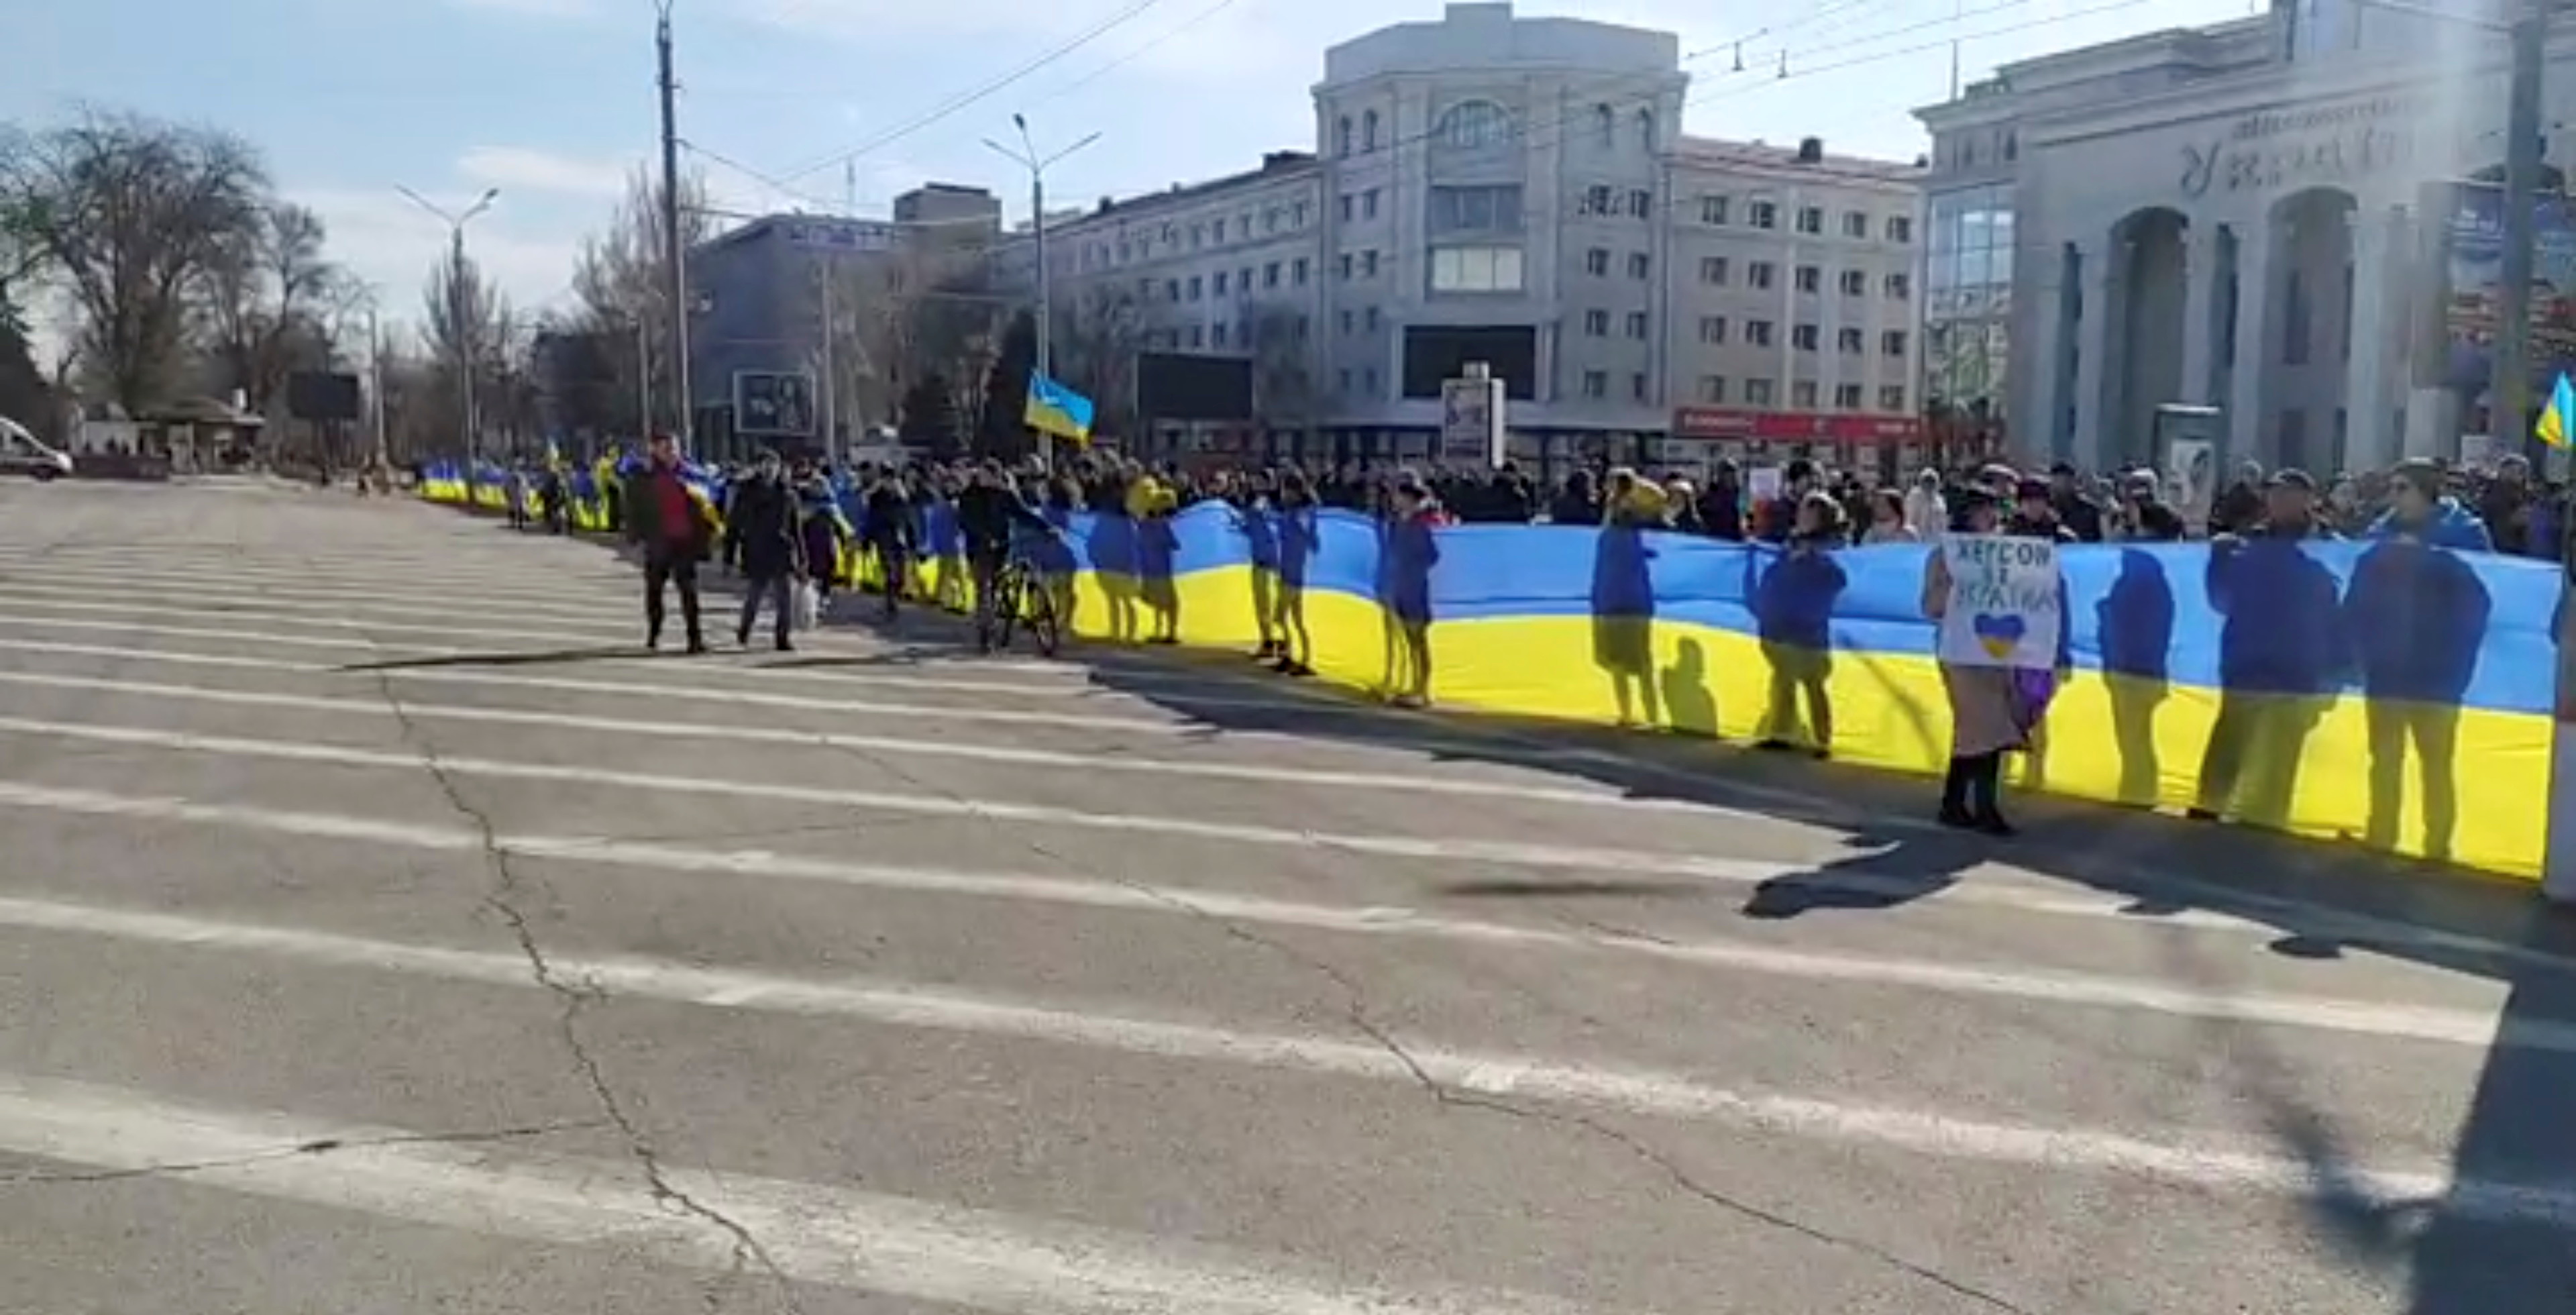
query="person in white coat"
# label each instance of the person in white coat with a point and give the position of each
(1927, 513)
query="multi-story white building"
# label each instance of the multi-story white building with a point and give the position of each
(1516, 191)
(2275, 218)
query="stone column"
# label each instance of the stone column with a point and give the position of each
(2204, 333)
(2247, 426)
(2093, 351)
(2368, 444)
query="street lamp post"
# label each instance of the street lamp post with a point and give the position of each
(456, 308)
(1027, 157)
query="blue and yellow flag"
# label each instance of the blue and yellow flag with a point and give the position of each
(1056, 409)
(2556, 417)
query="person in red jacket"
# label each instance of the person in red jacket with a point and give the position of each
(663, 519)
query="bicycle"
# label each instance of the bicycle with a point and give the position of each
(1020, 594)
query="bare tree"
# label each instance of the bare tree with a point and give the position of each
(1283, 382)
(270, 300)
(1095, 354)
(623, 279)
(466, 327)
(130, 213)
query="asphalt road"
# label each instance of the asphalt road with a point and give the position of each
(381, 931)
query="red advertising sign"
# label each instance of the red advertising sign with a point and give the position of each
(1795, 426)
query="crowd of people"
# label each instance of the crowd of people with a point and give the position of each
(783, 526)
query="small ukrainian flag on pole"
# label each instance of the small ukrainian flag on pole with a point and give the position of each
(1057, 410)
(2556, 417)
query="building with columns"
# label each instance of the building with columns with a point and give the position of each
(2262, 217)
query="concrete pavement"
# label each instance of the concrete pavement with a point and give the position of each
(380, 929)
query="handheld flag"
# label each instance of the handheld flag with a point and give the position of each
(1056, 409)
(2557, 417)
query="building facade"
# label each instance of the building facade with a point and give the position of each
(761, 367)
(2271, 219)
(1517, 191)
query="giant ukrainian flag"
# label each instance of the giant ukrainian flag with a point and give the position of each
(1056, 409)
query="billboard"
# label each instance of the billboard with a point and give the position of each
(1437, 353)
(773, 404)
(1174, 386)
(2472, 255)
(316, 395)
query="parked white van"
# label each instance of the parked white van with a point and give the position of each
(22, 453)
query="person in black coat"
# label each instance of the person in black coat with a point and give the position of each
(761, 532)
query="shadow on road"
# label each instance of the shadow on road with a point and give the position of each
(2472, 1246)
(541, 658)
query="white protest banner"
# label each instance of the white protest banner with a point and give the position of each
(2003, 609)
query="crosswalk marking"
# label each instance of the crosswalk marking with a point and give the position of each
(1141, 897)
(2174, 1159)
(830, 1236)
(1386, 782)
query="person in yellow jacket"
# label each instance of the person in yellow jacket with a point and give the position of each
(1150, 505)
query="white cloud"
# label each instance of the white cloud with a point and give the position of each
(391, 244)
(529, 169)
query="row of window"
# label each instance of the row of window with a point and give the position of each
(1713, 391)
(1359, 205)
(1719, 272)
(1236, 283)
(1289, 216)
(1719, 212)
(1480, 124)
(1714, 330)
(1220, 335)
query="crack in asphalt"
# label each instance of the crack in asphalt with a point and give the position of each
(1359, 1017)
(578, 995)
(301, 1150)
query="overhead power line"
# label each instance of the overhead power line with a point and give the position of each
(969, 97)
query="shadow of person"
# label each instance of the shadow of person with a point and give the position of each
(2417, 615)
(1157, 544)
(1903, 871)
(2135, 625)
(1793, 608)
(1060, 565)
(1623, 620)
(2280, 658)
(1297, 533)
(1408, 548)
(1689, 704)
(1259, 525)
(1111, 545)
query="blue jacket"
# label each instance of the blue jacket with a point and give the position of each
(2452, 526)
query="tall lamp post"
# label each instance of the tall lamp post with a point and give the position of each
(1027, 157)
(456, 308)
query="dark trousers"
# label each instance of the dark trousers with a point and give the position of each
(770, 585)
(676, 566)
(1974, 787)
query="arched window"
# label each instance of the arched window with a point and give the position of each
(1474, 125)
(1605, 125)
(1342, 136)
(1646, 129)
(1368, 131)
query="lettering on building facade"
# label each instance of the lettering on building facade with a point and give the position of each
(2301, 147)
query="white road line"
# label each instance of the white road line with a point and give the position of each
(1631, 862)
(374, 582)
(1444, 849)
(272, 602)
(1365, 920)
(1305, 778)
(828, 1236)
(1052, 680)
(1658, 1094)
(671, 691)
